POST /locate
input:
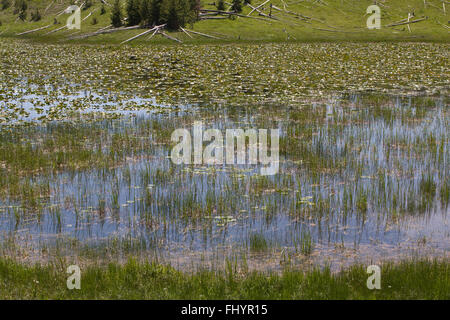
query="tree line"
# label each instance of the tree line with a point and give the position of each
(173, 13)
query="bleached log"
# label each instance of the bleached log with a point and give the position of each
(257, 7)
(186, 32)
(169, 37)
(406, 22)
(144, 33)
(203, 34)
(92, 34)
(34, 30)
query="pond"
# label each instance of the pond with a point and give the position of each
(362, 177)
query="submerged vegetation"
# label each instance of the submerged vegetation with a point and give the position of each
(247, 75)
(108, 183)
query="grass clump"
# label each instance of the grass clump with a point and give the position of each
(428, 187)
(258, 243)
(306, 244)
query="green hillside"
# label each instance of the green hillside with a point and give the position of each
(278, 20)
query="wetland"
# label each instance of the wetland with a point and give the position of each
(86, 175)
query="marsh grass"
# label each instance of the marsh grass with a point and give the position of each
(338, 176)
(257, 242)
(417, 279)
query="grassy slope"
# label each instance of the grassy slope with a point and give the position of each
(408, 280)
(347, 17)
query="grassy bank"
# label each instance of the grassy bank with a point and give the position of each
(419, 279)
(333, 20)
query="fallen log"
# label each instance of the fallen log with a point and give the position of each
(298, 15)
(151, 36)
(169, 37)
(212, 18)
(232, 13)
(34, 30)
(203, 34)
(48, 7)
(257, 7)
(144, 33)
(92, 34)
(186, 33)
(407, 22)
(329, 30)
(260, 12)
(208, 14)
(217, 11)
(104, 28)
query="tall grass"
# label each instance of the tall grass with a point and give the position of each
(420, 279)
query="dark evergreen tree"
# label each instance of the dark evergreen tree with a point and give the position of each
(133, 14)
(145, 11)
(116, 15)
(195, 6)
(221, 5)
(87, 4)
(176, 13)
(237, 6)
(35, 16)
(23, 10)
(156, 11)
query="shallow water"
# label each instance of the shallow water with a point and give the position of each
(352, 186)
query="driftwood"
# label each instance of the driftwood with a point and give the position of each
(151, 36)
(93, 34)
(329, 30)
(104, 28)
(169, 37)
(212, 18)
(186, 32)
(257, 7)
(208, 14)
(231, 13)
(298, 15)
(156, 28)
(217, 11)
(34, 30)
(260, 12)
(48, 7)
(203, 34)
(406, 22)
